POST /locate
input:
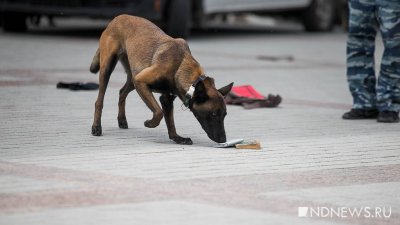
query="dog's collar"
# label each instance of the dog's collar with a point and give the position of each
(192, 88)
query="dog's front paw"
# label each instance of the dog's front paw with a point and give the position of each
(96, 130)
(155, 121)
(182, 141)
(122, 123)
(151, 123)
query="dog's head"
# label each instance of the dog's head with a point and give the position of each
(209, 108)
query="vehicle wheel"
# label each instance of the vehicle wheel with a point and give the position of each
(14, 21)
(178, 18)
(344, 16)
(320, 15)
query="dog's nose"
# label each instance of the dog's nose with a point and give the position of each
(220, 139)
(217, 136)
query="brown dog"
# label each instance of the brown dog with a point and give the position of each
(155, 62)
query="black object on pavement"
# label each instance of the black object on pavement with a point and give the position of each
(76, 86)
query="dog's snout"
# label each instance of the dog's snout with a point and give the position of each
(222, 139)
(219, 138)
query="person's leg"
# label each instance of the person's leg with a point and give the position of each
(360, 58)
(388, 89)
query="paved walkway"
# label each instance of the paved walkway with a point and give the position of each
(52, 171)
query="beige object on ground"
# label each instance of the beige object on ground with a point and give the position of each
(240, 144)
(249, 145)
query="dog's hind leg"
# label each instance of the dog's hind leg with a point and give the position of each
(95, 66)
(108, 59)
(167, 103)
(123, 93)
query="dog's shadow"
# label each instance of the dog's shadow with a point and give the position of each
(154, 138)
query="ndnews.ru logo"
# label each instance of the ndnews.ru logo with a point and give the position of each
(344, 212)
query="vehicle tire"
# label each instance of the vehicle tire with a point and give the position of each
(14, 21)
(178, 18)
(344, 15)
(320, 15)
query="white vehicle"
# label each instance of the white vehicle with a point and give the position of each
(175, 16)
(316, 15)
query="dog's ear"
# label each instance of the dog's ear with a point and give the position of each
(225, 90)
(200, 93)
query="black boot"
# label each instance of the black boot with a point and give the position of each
(388, 117)
(356, 114)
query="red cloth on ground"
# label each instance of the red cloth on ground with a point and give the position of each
(246, 91)
(249, 98)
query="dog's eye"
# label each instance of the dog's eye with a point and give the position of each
(214, 114)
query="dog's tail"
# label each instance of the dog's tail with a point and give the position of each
(95, 66)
